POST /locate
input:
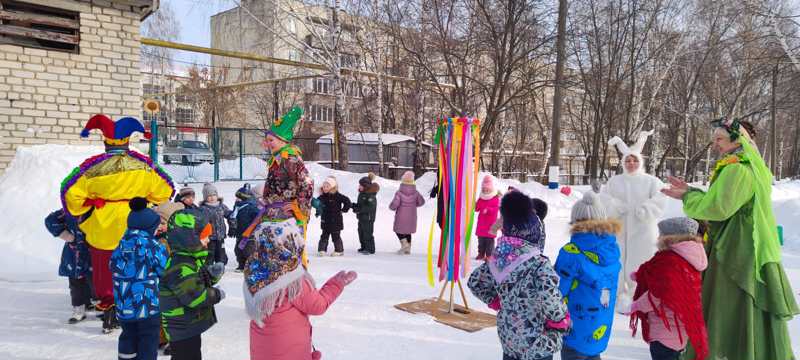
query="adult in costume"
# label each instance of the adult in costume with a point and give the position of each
(633, 197)
(289, 188)
(747, 300)
(99, 191)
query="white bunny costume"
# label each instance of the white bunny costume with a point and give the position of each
(635, 199)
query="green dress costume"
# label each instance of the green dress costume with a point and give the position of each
(747, 299)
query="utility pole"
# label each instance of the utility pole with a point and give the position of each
(555, 134)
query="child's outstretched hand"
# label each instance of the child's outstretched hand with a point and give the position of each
(346, 277)
(67, 236)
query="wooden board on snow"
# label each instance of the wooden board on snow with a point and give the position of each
(462, 319)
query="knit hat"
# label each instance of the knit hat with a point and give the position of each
(209, 190)
(487, 185)
(588, 208)
(407, 178)
(634, 150)
(331, 181)
(141, 217)
(166, 210)
(677, 226)
(519, 219)
(365, 182)
(244, 192)
(273, 273)
(283, 127)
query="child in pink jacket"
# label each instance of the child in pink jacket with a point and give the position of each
(488, 207)
(280, 294)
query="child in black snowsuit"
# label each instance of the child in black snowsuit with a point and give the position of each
(75, 261)
(245, 211)
(333, 204)
(365, 210)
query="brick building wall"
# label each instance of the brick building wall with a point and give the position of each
(47, 96)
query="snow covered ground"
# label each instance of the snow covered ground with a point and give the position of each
(362, 324)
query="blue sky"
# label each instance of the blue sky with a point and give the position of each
(194, 17)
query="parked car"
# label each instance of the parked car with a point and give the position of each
(188, 152)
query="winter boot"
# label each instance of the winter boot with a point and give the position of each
(78, 314)
(110, 320)
(407, 248)
(337, 253)
(321, 253)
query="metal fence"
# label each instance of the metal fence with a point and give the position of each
(198, 154)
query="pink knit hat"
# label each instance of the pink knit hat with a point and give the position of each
(487, 185)
(407, 178)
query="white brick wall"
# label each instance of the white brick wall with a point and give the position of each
(47, 96)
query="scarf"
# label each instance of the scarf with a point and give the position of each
(508, 255)
(273, 273)
(680, 292)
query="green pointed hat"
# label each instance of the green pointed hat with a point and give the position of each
(283, 127)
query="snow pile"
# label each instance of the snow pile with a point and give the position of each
(29, 190)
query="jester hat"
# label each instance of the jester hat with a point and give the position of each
(283, 127)
(114, 133)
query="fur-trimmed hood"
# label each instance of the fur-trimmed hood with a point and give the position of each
(607, 226)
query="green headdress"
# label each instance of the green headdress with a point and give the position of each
(283, 127)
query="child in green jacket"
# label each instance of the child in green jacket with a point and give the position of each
(187, 295)
(365, 210)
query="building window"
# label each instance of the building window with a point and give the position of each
(320, 113)
(323, 86)
(38, 26)
(292, 26)
(184, 116)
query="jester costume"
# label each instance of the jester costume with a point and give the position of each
(747, 300)
(99, 191)
(288, 181)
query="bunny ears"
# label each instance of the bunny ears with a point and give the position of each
(637, 146)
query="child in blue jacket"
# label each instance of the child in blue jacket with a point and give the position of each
(75, 261)
(589, 267)
(136, 266)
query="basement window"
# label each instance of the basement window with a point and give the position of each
(38, 26)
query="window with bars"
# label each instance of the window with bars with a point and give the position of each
(38, 26)
(184, 116)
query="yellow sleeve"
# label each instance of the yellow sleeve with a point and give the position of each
(76, 196)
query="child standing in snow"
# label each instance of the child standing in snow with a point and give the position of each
(280, 295)
(520, 282)
(365, 210)
(488, 207)
(186, 197)
(668, 288)
(245, 211)
(589, 266)
(136, 265)
(186, 292)
(75, 261)
(216, 212)
(333, 204)
(405, 203)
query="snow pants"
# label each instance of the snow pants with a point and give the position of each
(139, 339)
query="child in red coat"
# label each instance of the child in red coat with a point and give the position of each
(668, 289)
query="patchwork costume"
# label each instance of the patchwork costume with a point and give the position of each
(102, 186)
(288, 181)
